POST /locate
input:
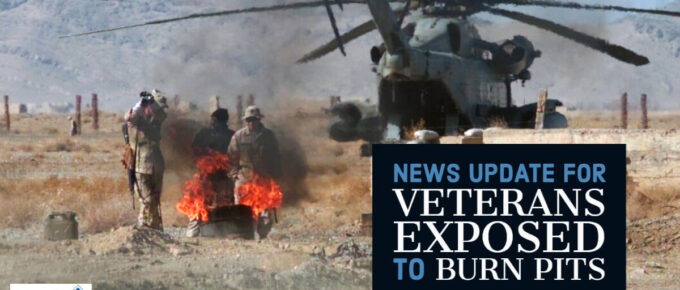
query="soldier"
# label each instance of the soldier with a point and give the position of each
(253, 150)
(211, 140)
(215, 137)
(74, 126)
(145, 120)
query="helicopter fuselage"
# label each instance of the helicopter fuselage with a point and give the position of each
(438, 71)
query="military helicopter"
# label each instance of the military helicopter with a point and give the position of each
(437, 69)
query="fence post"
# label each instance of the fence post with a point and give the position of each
(7, 124)
(239, 108)
(540, 109)
(251, 100)
(624, 111)
(214, 103)
(643, 106)
(95, 112)
(79, 100)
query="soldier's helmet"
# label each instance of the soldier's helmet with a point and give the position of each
(221, 115)
(252, 112)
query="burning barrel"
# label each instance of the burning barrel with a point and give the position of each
(202, 201)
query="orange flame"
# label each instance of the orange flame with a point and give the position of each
(199, 191)
(260, 193)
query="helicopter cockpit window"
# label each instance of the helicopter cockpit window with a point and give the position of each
(454, 37)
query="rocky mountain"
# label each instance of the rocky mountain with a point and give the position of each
(255, 53)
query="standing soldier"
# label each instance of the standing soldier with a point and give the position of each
(253, 150)
(214, 140)
(74, 126)
(145, 120)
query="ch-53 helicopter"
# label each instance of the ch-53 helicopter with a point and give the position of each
(436, 68)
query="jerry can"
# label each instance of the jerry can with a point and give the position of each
(61, 226)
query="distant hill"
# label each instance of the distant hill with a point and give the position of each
(256, 53)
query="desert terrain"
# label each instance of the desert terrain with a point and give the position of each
(317, 243)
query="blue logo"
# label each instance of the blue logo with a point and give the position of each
(77, 287)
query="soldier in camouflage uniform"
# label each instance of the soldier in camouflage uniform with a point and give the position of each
(145, 120)
(211, 140)
(254, 149)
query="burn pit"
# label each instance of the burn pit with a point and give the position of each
(221, 217)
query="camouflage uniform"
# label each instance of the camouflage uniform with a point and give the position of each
(145, 120)
(254, 149)
(214, 138)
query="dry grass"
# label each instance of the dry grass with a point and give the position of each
(66, 145)
(96, 200)
(320, 174)
(612, 119)
(649, 199)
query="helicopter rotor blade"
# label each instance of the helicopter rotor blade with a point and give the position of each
(334, 26)
(330, 46)
(353, 34)
(339, 2)
(279, 7)
(574, 5)
(405, 12)
(616, 51)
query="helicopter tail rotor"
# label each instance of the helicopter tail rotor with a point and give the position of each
(514, 56)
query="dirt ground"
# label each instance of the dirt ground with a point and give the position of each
(315, 245)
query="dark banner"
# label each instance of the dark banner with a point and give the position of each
(499, 217)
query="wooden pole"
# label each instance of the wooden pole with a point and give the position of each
(239, 108)
(95, 112)
(643, 105)
(7, 124)
(79, 100)
(540, 109)
(624, 111)
(251, 100)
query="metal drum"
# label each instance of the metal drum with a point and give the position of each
(61, 226)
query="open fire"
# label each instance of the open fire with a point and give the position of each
(260, 193)
(199, 191)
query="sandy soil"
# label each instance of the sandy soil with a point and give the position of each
(127, 258)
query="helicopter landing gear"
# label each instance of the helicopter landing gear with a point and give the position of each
(554, 120)
(415, 105)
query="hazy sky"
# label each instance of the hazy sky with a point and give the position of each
(575, 16)
(641, 3)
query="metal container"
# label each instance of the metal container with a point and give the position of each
(229, 221)
(61, 226)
